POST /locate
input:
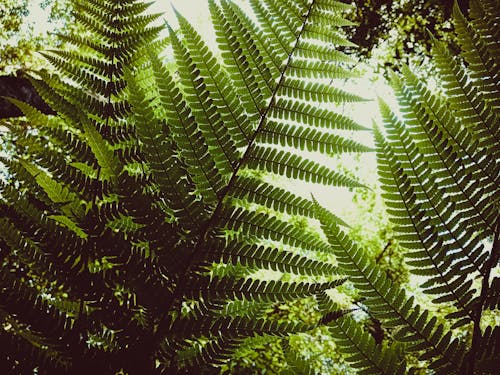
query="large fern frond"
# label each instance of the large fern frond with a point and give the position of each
(438, 166)
(140, 209)
(389, 303)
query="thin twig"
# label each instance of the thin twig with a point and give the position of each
(377, 259)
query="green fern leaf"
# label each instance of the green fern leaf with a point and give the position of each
(197, 91)
(188, 138)
(262, 257)
(294, 166)
(388, 303)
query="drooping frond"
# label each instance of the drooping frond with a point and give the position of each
(438, 167)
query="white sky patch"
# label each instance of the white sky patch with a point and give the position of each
(37, 18)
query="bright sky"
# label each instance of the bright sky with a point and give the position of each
(196, 11)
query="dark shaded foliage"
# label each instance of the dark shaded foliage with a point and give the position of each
(21, 89)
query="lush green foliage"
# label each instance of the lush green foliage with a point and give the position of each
(20, 41)
(134, 222)
(439, 169)
(392, 33)
(137, 225)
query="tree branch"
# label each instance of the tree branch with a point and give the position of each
(469, 364)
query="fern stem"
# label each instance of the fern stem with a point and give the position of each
(162, 326)
(468, 366)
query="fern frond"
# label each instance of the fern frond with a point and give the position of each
(439, 172)
(443, 158)
(265, 291)
(466, 101)
(133, 207)
(388, 303)
(197, 91)
(239, 70)
(228, 327)
(306, 138)
(459, 140)
(254, 190)
(493, 299)
(262, 257)
(358, 346)
(243, 307)
(432, 237)
(261, 225)
(167, 169)
(189, 139)
(361, 351)
(291, 165)
(482, 65)
(207, 353)
(38, 335)
(253, 46)
(490, 350)
(307, 114)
